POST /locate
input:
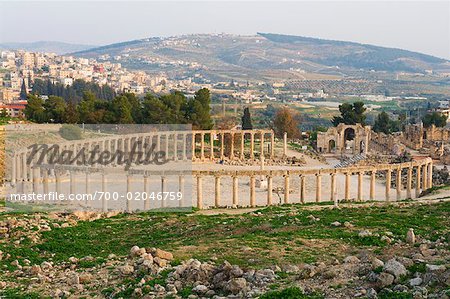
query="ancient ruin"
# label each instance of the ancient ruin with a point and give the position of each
(344, 139)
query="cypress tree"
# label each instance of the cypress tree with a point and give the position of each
(23, 91)
(247, 120)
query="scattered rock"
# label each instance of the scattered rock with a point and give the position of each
(384, 280)
(364, 233)
(435, 268)
(236, 285)
(126, 269)
(351, 260)
(410, 237)
(395, 268)
(163, 254)
(336, 224)
(376, 263)
(415, 281)
(200, 289)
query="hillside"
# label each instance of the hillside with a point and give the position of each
(46, 46)
(265, 56)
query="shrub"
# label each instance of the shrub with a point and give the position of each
(70, 132)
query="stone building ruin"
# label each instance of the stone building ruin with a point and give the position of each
(344, 139)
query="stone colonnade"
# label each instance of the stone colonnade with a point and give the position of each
(177, 145)
(235, 150)
(419, 172)
(423, 170)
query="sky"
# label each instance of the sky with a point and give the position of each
(422, 26)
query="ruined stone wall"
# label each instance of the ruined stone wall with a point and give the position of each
(387, 144)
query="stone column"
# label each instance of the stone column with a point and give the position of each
(199, 192)
(252, 191)
(269, 190)
(217, 191)
(13, 170)
(333, 196)
(302, 188)
(167, 137)
(71, 183)
(285, 144)
(146, 192)
(388, 184)
(128, 199)
(58, 182)
(430, 175)
(104, 189)
(418, 181)
(163, 190)
(360, 183)
(399, 183)
(235, 192)
(222, 148)
(425, 177)
(35, 179)
(184, 147)
(372, 184)
(318, 187)
(409, 183)
(286, 188)
(45, 181)
(252, 145)
(202, 146)
(242, 146)
(175, 147)
(347, 186)
(232, 146)
(193, 146)
(262, 144)
(211, 144)
(158, 142)
(24, 167)
(272, 144)
(87, 186)
(181, 189)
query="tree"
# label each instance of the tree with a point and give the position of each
(285, 121)
(86, 109)
(198, 112)
(122, 110)
(351, 114)
(435, 118)
(71, 116)
(23, 91)
(34, 110)
(55, 109)
(382, 123)
(246, 120)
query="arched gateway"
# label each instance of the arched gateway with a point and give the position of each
(344, 139)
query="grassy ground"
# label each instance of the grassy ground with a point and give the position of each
(276, 235)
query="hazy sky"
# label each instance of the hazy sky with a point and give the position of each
(419, 26)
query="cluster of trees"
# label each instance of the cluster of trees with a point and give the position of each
(73, 93)
(384, 124)
(351, 114)
(434, 118)
(127, 108)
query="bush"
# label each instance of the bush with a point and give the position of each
(289, 293)
(70, 132)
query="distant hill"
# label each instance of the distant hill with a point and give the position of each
(265, 56)
(351, 54)
(46, 46)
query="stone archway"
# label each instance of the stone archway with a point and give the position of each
(331, 146)
(349, 139)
